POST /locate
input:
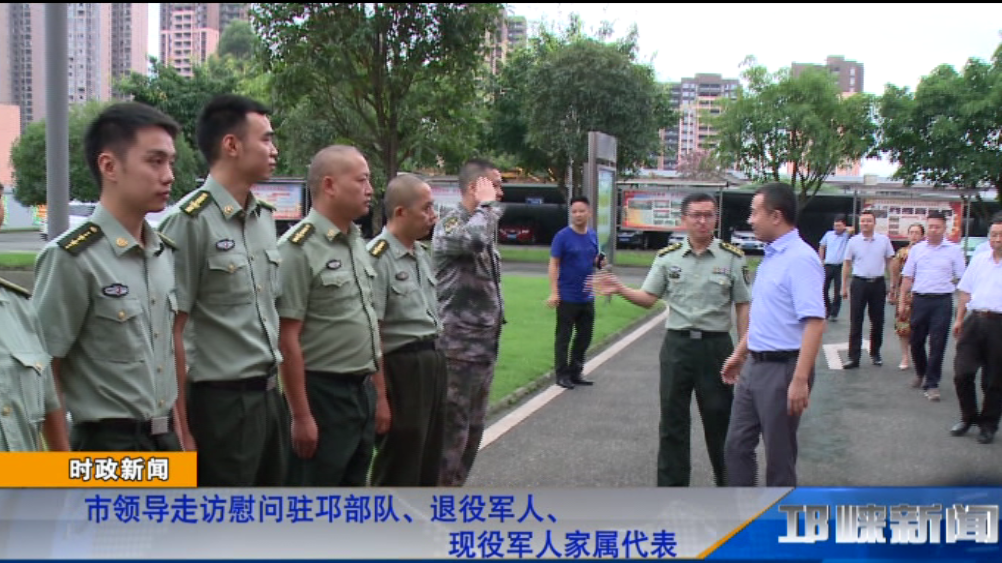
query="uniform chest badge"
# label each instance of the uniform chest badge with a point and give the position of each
(402, 276)
(722, 271)
(674, 272)
(450, 224)
(225, 244)
(115, 290)
(334, 265)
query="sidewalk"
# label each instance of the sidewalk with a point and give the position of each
(863, 427)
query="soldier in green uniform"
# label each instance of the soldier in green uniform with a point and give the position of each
(330, 333)
(104, 292)
(410, 453)
(28, 399)
(227, 283)
(699, 279)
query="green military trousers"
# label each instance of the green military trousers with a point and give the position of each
(410, 454)
(692, 363)
(344, 408)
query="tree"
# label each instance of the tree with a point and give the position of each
(398, 81)
(949, 131)
(562, 87)
(237, 40)
(28, 159)
(802, 121)
(700, 164)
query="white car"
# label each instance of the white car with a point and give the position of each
(746, 241)
(79, 212)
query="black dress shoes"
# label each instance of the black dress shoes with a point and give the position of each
(961, 428)
(851, 364)
(877, 360)
(986, 436)
(565, 382)
(581, 381)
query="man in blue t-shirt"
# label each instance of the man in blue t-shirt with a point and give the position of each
(574, 255)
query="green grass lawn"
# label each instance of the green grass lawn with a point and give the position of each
(638, 258)
(19, 260)
(527, 339)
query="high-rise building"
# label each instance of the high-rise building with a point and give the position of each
(511, 33)
(95, 34)
(695, 99)
(190, 32)
(850, 81)
(849, 73)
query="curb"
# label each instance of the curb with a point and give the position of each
(544, 379)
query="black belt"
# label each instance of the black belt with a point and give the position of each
(988, 315)
(937, 295)
(694, 334)
(357, 377)
(869, 280)
(152, 427)
(775, 355)
(260, 383)
(417, 346)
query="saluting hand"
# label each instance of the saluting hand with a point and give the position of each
(305, 436)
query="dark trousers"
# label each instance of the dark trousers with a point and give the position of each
(467, 398)
(242, 435)
(410, 454)
(931, 315)
(344, 408)
(689, 364)
(577, 319)
(980, 346)
(761, 408)
(871, 296)
(833, 273)
(121, 436)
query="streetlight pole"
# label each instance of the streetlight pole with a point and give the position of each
(57, 137)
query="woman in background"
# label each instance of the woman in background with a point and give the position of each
(916, 232)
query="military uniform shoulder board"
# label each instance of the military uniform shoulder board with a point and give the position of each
(379, 248)
(732, 249)
(302, 233)
(77, 241)
(15, 288)
(670, 248)
(197, 203)
(266, 205)
(422, 245)
(166, 240)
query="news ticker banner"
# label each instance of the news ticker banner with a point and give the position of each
(449, 524)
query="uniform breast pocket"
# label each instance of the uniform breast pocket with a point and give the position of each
(118, 331)
(274, 262)
(336, 289)
(29, 369)
(721, 285)
(228, 281)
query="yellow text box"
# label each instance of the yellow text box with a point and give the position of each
(98, 469)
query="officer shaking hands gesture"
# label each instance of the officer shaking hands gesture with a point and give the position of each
(701, 279)
(105, 291)
(28, 398)
(330, 334)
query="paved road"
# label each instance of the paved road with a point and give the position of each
(28, 241)
(863, 427)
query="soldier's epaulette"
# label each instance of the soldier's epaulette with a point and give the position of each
(303, 233)
(166, 240)
(732, 249)
(422, 245)
(78, 240)
(266, 205)
(670, 248)
(196, 204)
(379, 248)
(15, 288)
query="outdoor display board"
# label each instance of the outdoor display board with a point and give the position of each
(287, 197)
(894, 216)
(652, 210)
(446, 197)
(604, 210)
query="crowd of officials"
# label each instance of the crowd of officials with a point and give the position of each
(317, 359)
(310, 359)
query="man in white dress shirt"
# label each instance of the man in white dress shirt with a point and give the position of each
(866, 257)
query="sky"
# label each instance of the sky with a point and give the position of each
(897, 44)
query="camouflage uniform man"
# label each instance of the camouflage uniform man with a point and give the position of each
(105, 291)
(700, 280)
(28, 399)
(227, 283)
(330, 335)
(468, 268)
(410, 453)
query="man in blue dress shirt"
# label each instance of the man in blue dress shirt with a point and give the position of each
(832, 251)
(783, 338)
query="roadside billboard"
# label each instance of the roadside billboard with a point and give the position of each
(652, 210)
(286, 196)
(446, 197)
(894, 216)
